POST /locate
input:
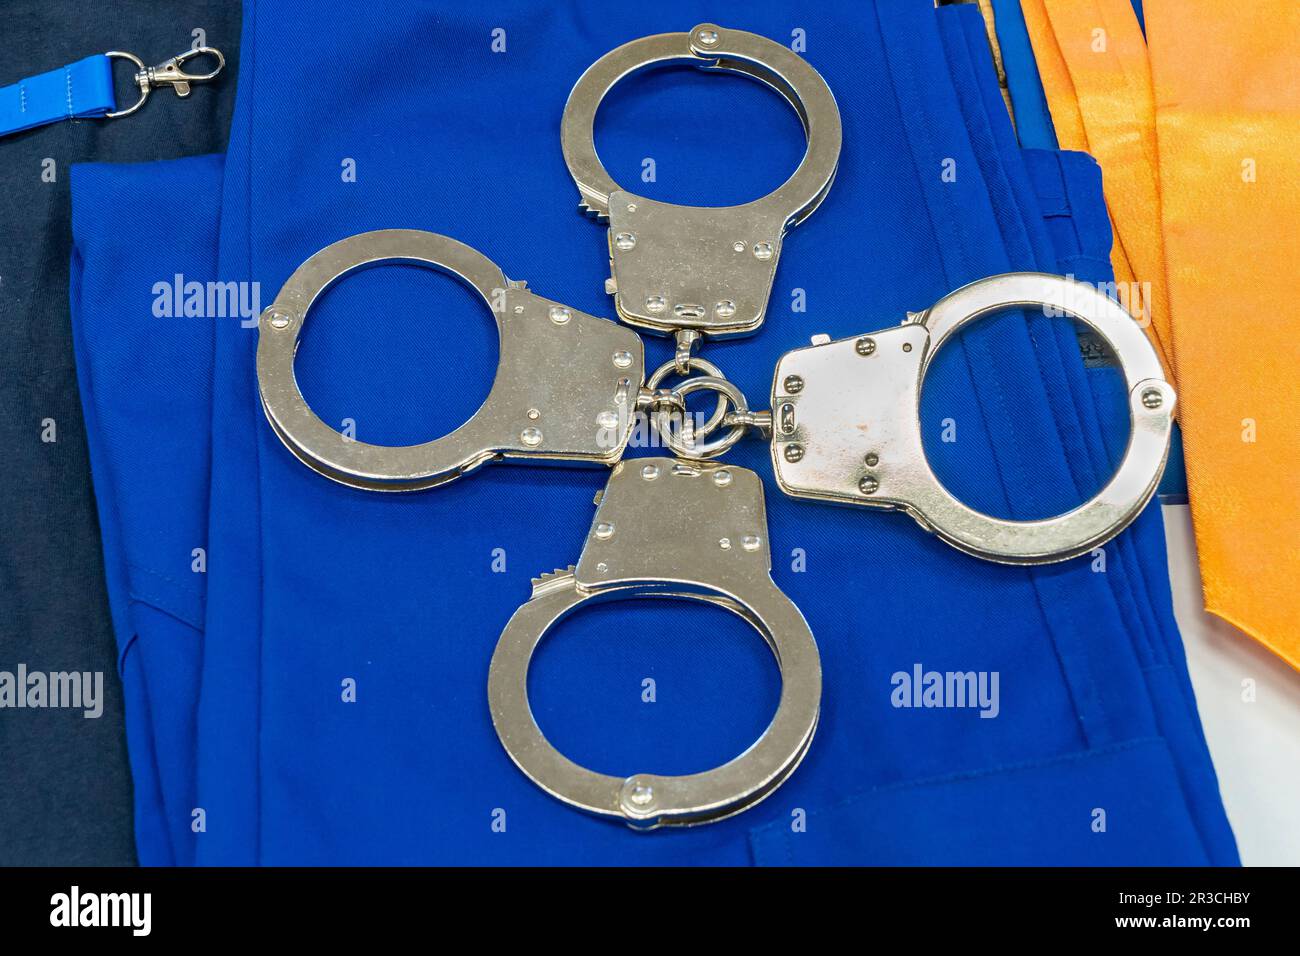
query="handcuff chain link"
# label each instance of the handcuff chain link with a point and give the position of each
(687, 440)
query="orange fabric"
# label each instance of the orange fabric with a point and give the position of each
(1197, 130)
(1226, 82)
(1098, 87)
(1055, 77)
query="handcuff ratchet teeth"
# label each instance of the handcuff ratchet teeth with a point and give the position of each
(565, 387)
(677, 529)
(687, 270)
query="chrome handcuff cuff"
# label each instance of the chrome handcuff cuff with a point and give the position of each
(689, 271)
(561, 373)
(844, 425)
(666, 527)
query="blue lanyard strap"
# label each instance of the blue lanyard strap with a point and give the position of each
(85, 89)
(80, 89)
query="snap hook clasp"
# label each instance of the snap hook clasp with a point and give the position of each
(167, 73)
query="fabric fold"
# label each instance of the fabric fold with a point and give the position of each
(312, 585)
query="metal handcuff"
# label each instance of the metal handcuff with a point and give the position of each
(844, 425)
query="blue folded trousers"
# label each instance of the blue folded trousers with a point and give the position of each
(248, 591)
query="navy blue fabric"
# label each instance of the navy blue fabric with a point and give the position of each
(67, 798)
(309, 583)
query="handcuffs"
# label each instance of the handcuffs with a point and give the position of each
(843, 427)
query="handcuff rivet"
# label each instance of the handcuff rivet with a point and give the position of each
(279, 320)
(655, 303)
(868, 485)
(605, 530)
(625, 241)
(725, 309)
(607, 419)
(724, 544)
(750, 542)
(1152, 398)
(650, 472)
(707, 37)
(631, 207)
(763, 250)
(738, 246)
(533, 414)
(872, 459)
(560, 315)
(640, 796)
(722, 478)
(793, 453)
(622, 358)
(865, 346)
(907, 346)
(531, 436)
(793, 384)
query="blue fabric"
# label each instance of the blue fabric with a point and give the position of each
(1137, 10)
(1173, 483)
(924, 823)
(309, 583)
(1033, 118)
(80, 89)
(1069, 189)
(149, 452)
(1035, 131)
